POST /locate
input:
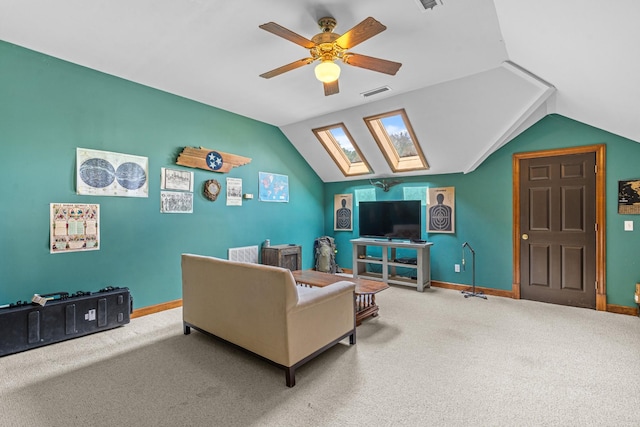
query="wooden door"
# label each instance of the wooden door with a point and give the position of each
(558, 229)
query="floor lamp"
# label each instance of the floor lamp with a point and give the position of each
(472, 292)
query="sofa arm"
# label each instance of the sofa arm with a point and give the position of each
(319, 294)
(321, 316)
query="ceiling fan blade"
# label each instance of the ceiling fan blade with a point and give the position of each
(296, 64)
(281, 31)
(331, 88)
(361, 32)
(371, 63)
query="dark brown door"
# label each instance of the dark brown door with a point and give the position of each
(557, 226)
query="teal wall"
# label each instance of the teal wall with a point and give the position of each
(49, 107)
(484, 210)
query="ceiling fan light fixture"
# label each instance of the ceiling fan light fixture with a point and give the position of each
(327, 71)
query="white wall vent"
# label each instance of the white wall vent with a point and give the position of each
(244, 254)
(425, 5)
(375, 91)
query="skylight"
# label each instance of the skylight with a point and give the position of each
(397, 141)
(342, 149)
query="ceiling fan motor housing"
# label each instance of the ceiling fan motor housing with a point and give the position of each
(327, 24)
(326, 49)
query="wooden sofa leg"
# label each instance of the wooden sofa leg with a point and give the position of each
(352, 338)
(187, 329)
(290, 375)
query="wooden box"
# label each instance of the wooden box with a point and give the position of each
(287, 256)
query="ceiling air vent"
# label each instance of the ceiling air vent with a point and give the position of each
(375, 91)
(425, 5)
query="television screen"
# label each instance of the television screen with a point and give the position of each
(400, 219)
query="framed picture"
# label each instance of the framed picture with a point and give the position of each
(441, 210)
(629, 197)
(177, 180)
(74, 227)
(343, 212)
(103, 173)
(273, 187)
(234, 191)
(176, 202)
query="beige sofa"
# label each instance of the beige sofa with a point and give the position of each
(260, 309)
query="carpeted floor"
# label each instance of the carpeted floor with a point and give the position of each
(429, 359)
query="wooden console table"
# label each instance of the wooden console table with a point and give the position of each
(388, 262)
(365, 290)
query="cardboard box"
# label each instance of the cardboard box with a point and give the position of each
(637, 293)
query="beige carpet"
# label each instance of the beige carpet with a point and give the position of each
(429, 359)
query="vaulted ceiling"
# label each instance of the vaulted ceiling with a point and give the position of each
(475, 73)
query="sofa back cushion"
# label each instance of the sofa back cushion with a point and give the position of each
(243, 303)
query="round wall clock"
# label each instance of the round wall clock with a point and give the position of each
(211, 189)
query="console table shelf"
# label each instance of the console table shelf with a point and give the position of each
(422, 277)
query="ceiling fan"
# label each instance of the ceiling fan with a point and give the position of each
(327, 47)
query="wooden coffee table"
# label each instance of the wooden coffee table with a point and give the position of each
(365, 290)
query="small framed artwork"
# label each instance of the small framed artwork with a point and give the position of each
(234, 191)
(273, 187)
(343, 212)
(74, 227)
(176, 202)
(441, 210)
(177, 180)
(629, 197)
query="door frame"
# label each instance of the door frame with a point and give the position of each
(600, 200)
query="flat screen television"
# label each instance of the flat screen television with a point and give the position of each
(398, 219)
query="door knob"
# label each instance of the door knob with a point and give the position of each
(525, 237)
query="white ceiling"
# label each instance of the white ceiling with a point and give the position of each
(475, 73)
